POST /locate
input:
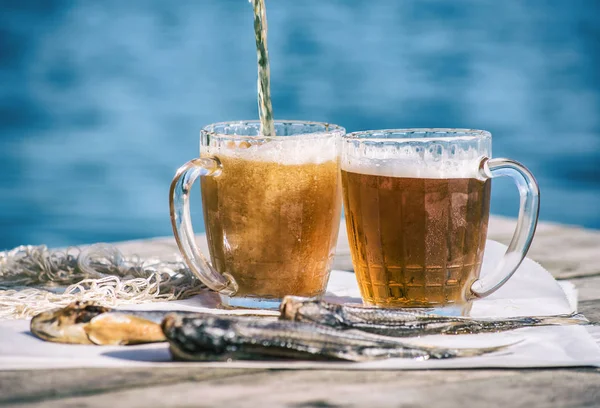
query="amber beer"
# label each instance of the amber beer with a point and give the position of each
(415, 242)
(273, 226)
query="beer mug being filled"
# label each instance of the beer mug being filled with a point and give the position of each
(271, 209)
(417, 207)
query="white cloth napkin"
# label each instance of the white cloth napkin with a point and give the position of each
(532, 291)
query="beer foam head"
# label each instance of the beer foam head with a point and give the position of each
(445, 157)
(292, 151)
(296, 142)
(413, 169)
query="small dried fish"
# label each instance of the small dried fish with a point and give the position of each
(210, 338)
(89, 323)
(405, 322)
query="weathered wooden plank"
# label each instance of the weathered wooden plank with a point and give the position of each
(587, 288)
(490, 388)
(589, 297)
(591, 310)
(567, 252)
(39, 385)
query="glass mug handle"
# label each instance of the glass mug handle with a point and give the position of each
(526, 223)
(179, 203)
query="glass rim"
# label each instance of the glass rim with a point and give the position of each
(330, 129)
(401, 135)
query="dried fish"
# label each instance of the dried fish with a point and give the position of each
(405, 322)
(210, 338)
(89, 323)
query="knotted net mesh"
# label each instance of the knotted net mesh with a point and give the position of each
(34, 279)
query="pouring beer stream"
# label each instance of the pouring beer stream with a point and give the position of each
(265, 108)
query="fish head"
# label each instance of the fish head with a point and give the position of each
(311, 310)
(196, 335)
(66, 325)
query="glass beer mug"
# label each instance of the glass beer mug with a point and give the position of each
(271, 210)
(417, 207)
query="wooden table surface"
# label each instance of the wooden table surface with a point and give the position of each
(568, 252)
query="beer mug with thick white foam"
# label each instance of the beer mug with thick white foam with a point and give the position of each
(271, 210)
(417, 206)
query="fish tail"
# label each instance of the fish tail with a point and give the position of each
(562, 320)
(471, 352)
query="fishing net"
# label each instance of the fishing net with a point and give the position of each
(34, 279)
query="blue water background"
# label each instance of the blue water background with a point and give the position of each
(101, 101)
